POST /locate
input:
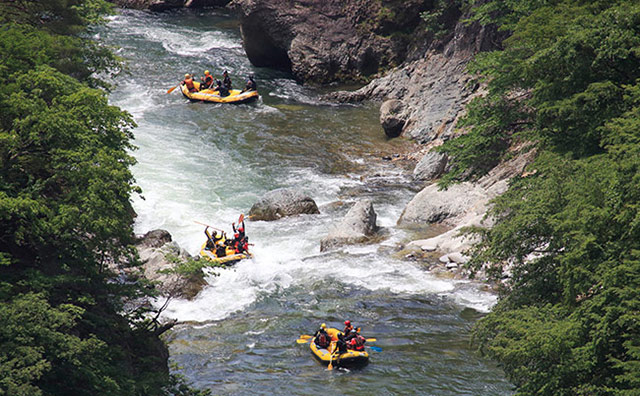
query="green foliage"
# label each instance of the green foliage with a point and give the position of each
(188, 267)
(441, 18)
(65, 214)
(568, 233)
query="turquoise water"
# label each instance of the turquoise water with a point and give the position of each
(211, 162)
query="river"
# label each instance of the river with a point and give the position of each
(209, 163)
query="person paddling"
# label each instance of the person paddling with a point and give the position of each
(250, 85)
(207, 81)
(226, 80)
(188, 82)
(322, 338)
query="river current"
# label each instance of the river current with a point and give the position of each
(208, 163)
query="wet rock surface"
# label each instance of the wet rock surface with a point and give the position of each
(156, 250)
(358, 226)
(281, 203)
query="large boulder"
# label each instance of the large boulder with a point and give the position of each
(330, 40)
(392, 117)
(358, 226)
(156, 249)
(432, 205)
(431, 166)
(281, 203)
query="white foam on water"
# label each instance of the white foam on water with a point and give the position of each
(176, 169)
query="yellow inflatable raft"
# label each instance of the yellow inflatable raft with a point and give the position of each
(230, 258)
(209, 95)
(348, 360)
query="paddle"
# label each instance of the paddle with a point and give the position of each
(240, 219)
(171, 89)
(207, 225)
(375, 348)
(330, 366)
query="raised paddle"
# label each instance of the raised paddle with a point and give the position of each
(207, 225)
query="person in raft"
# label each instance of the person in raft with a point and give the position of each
(347, 328)
(212, 239)
(222, 91)
(322, 338)
(250, 84)
(188, 81)
(207, 81)
(355, 341)
(226, 80)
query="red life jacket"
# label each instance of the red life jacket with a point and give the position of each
(357, 343)
(322, 340)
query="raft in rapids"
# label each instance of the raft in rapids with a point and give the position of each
(349, 359)
(209, 95)
(230, 258)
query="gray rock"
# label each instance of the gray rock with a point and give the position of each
(431, 166)
(452, 265)
(458, 257)
(281, 203)
(444, 259)
(153, 250)
(358, 226)
(155, 239)
(392, 117)
(432, 205)
(329, 40)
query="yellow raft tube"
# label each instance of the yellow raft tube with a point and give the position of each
(209, 95)
(230, 258)
(349, 359)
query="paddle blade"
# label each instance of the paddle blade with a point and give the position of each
(330, 366)
(241, 218)
(171, 89)
(306, 337)
(372, 339)
(375, 348)
(302, 341)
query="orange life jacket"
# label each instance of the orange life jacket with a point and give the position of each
(189, 83)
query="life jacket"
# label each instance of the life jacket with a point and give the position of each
(357, 343)
(347, 330)
(189, 83)
(323, 340)
(208, 81)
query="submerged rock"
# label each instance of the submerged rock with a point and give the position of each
(358, 226)
(281, 203)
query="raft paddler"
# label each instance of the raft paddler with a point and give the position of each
(188, 82)
(250, 85)
(207, 81)
(226, 80)
(212, 240)
(322, 338)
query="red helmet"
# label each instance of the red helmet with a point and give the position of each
(236, 235)
(347, 322)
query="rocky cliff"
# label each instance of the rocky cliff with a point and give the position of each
(322, 41)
